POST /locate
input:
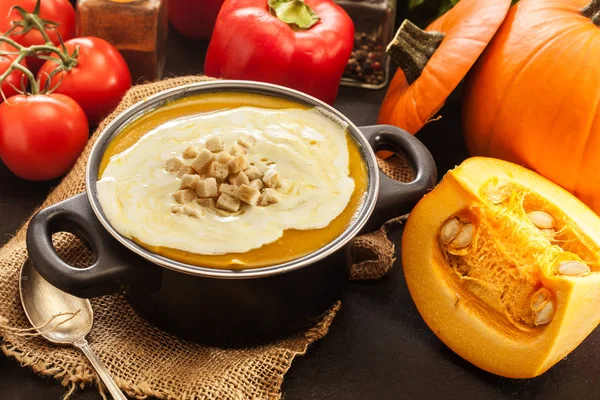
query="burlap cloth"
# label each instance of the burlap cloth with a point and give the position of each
(143, 360)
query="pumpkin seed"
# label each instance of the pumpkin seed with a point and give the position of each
(498, 194)
(545, 314)
(464, 237)
(449, 230)
(539, 299)
(573, 268)
(541, 219)
(548, 233)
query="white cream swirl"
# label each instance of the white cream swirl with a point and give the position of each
(308, 149)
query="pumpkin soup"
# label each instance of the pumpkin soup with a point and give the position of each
(232, 180)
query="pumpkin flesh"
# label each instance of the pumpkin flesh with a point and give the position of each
(482, 299)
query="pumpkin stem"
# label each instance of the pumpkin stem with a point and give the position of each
(592, 11)
(412, 48)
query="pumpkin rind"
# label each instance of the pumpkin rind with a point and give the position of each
(533, 98)
(465, 322)
(468, 27)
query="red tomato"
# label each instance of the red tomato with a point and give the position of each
(59, 11)
(99, 80)
(41, 136)
(194, 19)
(14, 77)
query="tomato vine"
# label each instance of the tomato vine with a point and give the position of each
(32, 20)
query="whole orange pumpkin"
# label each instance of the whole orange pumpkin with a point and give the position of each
(433, 62)
(533, 97)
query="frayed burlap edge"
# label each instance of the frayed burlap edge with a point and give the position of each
(72, 370)
(374, 254)
(80, 376)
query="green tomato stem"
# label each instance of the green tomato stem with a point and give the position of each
(33, 50)
(50, 49)
(12, 43)
(35, 21)
(32, 20)
(35, 88)
(10, 68)
(64, 61)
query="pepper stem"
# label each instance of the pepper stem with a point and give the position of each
(412, 48)
(592, 11)
(297, 14)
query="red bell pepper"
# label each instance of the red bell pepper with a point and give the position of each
(301, 44)
(194, 19)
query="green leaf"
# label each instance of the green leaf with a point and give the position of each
(415, 3)
(447, 6)
(294, 13)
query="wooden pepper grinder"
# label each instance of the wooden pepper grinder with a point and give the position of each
(137, 28)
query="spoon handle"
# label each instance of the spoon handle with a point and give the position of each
(110, 384)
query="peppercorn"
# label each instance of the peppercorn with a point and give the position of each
(365, 63)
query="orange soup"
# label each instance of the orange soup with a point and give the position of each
(232, 180)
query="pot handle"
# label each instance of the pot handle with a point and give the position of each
(114, 269)
(398, 198)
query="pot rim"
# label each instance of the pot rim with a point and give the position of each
(160, 99)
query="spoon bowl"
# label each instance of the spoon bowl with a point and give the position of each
(41, 301)
(61, 318)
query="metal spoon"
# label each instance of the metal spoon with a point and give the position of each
(42, 301)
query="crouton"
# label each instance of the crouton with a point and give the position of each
(269, 196)
(202, 161)
(257, 184)
(253, 173)
(224, 157)
(189, 181)
(239, 179)
(191, 152)
(246, 141)
(248, 194)
(214, 144)
(207, 202)
(236, 149)
(237, 164)
(174, 165)
(227, 188)
(184, 196)
(271, 179)
(191, 212)
(218, 171)
(228, 203)
(176, 208)
(185, 170)
(206, 187)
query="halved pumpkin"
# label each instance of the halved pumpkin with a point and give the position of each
(504, 267)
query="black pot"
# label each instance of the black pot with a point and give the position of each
(215, 306)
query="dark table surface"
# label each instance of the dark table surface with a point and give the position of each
(378, 346)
